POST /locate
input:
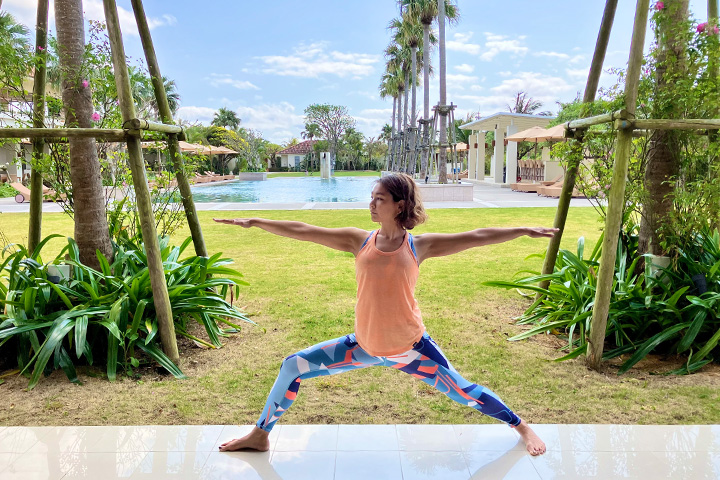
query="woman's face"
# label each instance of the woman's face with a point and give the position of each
(382, 206)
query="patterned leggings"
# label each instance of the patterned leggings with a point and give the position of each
(425, 361)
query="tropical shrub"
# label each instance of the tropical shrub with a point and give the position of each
(55, 323)
(670, 313)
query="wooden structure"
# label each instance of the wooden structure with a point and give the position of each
(129, 134)
(626, 125)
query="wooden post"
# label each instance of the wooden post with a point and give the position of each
(166, 116)
(36, 181)
(713, 63)
(142, 193)
(616, 198)
(574, 162)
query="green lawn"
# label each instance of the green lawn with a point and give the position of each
(337, 173)
(302, 293)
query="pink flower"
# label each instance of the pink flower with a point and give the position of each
(85, 83)
(95, 117)
(701, 27)
(607, 187)
(716, 29)
(41, 48)
(659, 6)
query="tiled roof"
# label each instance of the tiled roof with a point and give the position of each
(301, 148)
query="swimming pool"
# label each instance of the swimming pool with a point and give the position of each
(289, 190)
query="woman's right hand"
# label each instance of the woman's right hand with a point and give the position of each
(243, 222)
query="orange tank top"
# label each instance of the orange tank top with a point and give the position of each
(387, 317)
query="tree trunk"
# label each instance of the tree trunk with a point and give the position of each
(398, 143)
(426, 98)
(406, 133)
(91, 229)
(442, 153)
(391, 143)
(663, 162)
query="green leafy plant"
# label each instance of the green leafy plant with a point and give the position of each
(647, 313)
(109, 312)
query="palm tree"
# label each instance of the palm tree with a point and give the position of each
(15, 32)
(226, 118)
(427, 12)
(526, 105)
(389, 88)
(312, 130)
(399, 65)
(91, 228)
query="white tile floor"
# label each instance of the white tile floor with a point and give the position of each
(375, 452)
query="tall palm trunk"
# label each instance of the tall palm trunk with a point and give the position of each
(412, 157)
(91, 229)
(426, 97)
(406, 134)
(442, 156)
(398, 143)
(663, 163)
(392, 136)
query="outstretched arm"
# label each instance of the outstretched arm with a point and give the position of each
(345, 239)
(440, 244)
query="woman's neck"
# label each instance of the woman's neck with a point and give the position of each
(391, 232)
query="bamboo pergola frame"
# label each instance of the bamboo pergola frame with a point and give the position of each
(627, 127)
(130, 134)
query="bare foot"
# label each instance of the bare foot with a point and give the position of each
(533, 444)
(255, 440)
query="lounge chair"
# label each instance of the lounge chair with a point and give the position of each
(555, 191)
(23, 195)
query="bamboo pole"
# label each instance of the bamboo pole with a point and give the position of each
(670, 124)
(105, 134)
(138, 124)
(36, 181)
(574, 163)
(166, 116)
(616, 199)
(597, 119)
(142, 193)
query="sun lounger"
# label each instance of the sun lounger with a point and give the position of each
(558, 179)
(525, 187)
(24, 194)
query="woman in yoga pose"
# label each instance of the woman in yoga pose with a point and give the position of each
(389, 330)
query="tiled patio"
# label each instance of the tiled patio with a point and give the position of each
(373, 452)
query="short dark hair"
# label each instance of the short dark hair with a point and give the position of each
(402, 187)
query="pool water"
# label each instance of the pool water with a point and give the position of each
(289, 190)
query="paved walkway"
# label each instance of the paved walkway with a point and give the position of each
(485, 195)
(367, 452)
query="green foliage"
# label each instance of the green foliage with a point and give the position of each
(667, 313)
(53, 323)
(7, 191)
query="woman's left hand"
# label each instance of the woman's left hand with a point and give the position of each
(539, 232)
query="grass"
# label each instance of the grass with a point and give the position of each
(302, 293)
(337, 173)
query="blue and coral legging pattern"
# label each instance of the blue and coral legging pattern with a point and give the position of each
(425, 361)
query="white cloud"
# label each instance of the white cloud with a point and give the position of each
(220, 79)
(459, 78)
(464, 68)
(461, 43)
(496, 44)
(362, 93)
(196, 114)
(561, 56)
(277, 122)
(313, 61)
(537, 85)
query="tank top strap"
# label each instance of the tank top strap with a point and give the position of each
(412, 245)
(367, 240)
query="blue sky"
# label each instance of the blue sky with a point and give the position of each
(270, 60)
